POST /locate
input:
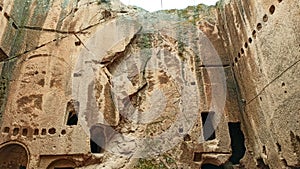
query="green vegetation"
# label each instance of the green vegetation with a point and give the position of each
(220, 4)
(145, 41)
(194, 14)
(164, 161)
(149, 164)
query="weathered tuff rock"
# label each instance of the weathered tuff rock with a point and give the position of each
(149, 85)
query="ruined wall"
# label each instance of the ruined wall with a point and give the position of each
(262, 39)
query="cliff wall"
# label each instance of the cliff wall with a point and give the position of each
(262, 40)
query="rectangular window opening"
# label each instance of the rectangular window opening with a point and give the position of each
(207, 125)
(95, 148)
(71, 110)
(197, 157)
(97, 139)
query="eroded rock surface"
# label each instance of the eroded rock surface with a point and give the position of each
(96, 84)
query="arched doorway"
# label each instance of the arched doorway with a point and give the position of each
(13, 156)
(62, 164)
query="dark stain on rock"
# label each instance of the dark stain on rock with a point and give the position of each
(163, 78)
(28, 103)
(55, 83)
(41, 82)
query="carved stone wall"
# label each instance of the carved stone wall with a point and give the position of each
(85, 84)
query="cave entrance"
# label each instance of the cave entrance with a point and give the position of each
(97, 139)
(72, 111)
(62, 164)
(237, 142)
(13, 156)
(207, 125)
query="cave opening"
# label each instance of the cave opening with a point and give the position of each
(95, 148)
(72, 119)
(261, 164)
(197, 157)
(237, 142)
(97, 140)
(13, 156)
(62, 164)
(207, 125)
(72, 108)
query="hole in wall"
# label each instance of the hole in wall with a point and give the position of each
(187, 137)
(259, 26)
(97, 139)
(236, 59)
(239, 55)
(14, 25)
(272, 9)
(207, 125)
(63, 132)
(13, 156)
(282, 84)
(6, 16)
(36, 132)
(1, 8)
(72, 107)
(211, 166)
(264, 150)
(77, 43)
(52, 131)
(265, 18)
(254, 34)
(261, 164)
(279, 1)
(285, 91)
(6, 130)
(24, 132)
(246, 45)
(260, 98)
(278, 147)
(62, 164)
(197, 157)
(95, 148)
(242, 50)
(237, 142)
(44, 131)
(250, 40)
(16, 131)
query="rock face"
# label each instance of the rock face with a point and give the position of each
(96, 84)
(264, 44)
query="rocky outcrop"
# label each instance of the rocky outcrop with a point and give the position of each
(263, 41)
(96, 84)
